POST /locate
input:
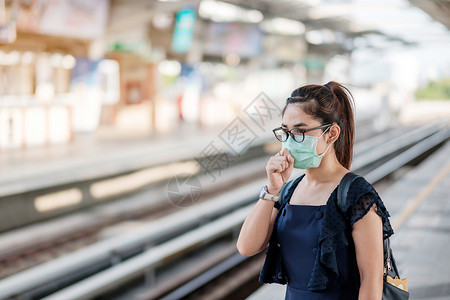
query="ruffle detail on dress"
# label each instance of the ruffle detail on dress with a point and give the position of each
(360, 198)
(363, 206)
(273, 270)
(325, 266)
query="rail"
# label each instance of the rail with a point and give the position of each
(186, 219)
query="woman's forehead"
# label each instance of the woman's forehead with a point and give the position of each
(295, 115)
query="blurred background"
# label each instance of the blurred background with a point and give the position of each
(127, 127)
(126, 68)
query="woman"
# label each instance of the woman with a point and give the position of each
(313, 247)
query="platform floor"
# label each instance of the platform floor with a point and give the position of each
(94, 155)
(419, 204)
(106, 153)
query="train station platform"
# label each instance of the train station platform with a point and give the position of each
(96, 154)
(42, 183)
(108, 152)
(419, 204)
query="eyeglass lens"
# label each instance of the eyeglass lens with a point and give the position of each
(282, 134)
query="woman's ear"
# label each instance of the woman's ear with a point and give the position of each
(333, 133)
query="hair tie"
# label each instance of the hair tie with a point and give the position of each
(292, 98)
(328, 86)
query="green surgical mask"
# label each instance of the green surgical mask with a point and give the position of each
(304, 153)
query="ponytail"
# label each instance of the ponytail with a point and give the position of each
(344, 144)
(330, 103)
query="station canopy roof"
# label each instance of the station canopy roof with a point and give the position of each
(379, 22)
(332, 23)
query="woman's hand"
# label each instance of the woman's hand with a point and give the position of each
(279, 169)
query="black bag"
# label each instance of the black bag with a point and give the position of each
(390, 291)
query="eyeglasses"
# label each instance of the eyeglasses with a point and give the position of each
(296, 133)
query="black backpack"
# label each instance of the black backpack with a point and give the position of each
(390, 291)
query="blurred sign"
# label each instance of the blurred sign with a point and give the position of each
(184, 30)
(245, 40)
(86, 71)
(85, 19)
(86, 86)
(314, 63)
(285, 48)
(8, 33)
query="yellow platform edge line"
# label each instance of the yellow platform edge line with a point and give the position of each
(420, 198)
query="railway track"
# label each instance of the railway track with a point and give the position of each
(90, 226)
(230, 217)
(27, 248)
(43, 193)
(237, 277)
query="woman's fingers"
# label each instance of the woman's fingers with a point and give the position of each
(277, 164)
(290, 159)
(276, 167)
(281, 161)
(285, 152)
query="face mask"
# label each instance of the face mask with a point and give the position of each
(304, 153)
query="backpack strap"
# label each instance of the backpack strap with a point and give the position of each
(390, 266)
(343, 188)
(285, 189)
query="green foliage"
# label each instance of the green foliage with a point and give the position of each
(439, 90)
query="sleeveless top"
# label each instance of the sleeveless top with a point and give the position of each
(298, 232)
(332, 266)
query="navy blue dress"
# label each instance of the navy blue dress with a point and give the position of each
(298, 230)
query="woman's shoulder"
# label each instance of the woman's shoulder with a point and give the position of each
(360, 183)
(361, 197)
(361, 187)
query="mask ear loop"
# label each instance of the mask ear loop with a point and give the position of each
(321, 155)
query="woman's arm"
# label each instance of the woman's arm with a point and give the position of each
(257, 228)
(368, 237)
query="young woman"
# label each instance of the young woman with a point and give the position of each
(313, 247)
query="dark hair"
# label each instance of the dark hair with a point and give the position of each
(330, 104)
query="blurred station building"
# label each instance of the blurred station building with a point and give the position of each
(136, 67)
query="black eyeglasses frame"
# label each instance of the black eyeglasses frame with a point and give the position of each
(303, 131)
